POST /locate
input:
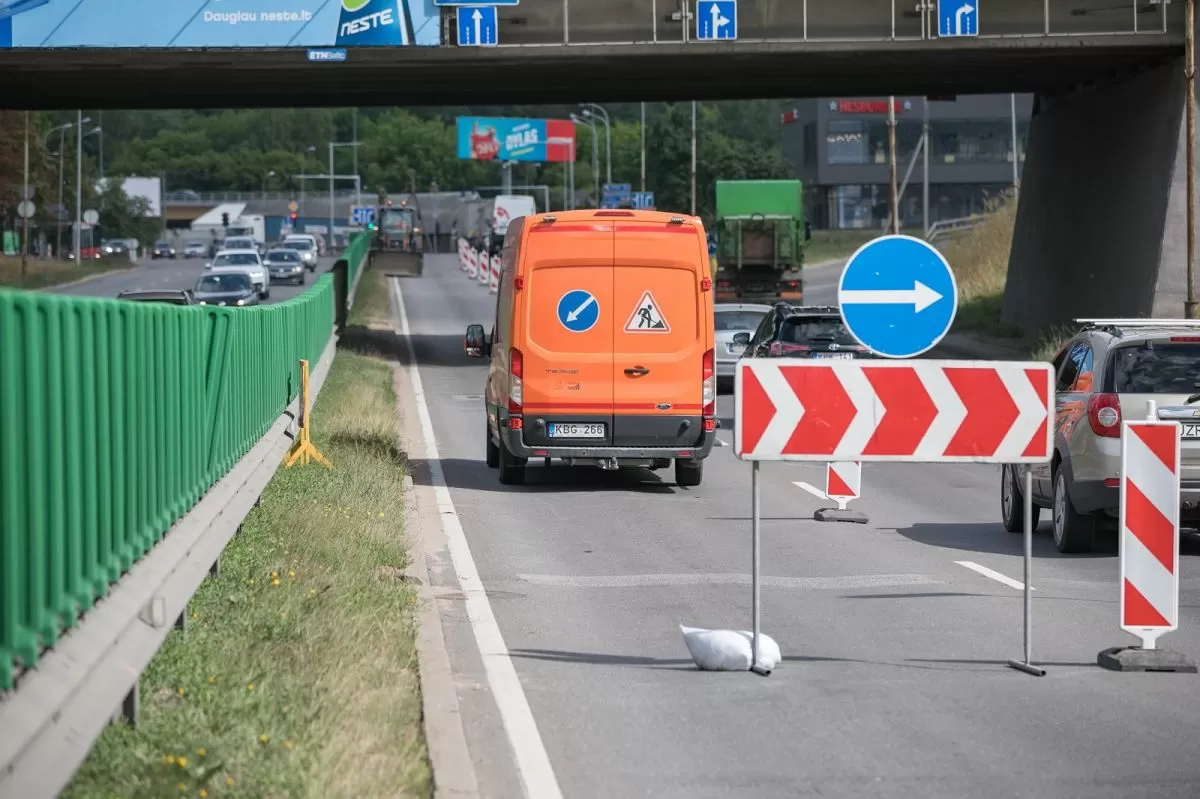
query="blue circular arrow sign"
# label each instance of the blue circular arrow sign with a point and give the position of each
(898, 296)
(578, 310)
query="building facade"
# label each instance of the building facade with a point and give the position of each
(839, 148)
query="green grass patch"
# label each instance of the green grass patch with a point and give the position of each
(371, 304)
(832, 245)
(297, 675)
(44, 274)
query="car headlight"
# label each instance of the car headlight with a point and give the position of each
(241, 302)
(203, 302)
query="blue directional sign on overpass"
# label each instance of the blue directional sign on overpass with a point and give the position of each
(475, 2)
(477, 26)
(716, 20)
(958, 18)
(898, 296)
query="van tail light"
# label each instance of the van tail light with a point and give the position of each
(709, 390)
(780, 348)
(1185, 339)
(1104, 415)
(516, 371)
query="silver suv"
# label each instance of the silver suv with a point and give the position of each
(1104, 375)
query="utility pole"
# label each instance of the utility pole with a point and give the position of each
(1012, 101)
(693, 156)
(354, 150)
(925, 170)
(25, 199)
(78, 237)
(1190, 307)
(643, 147)
(331, 198)
(895, 194)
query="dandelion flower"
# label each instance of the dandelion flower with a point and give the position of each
(264, 739)
(381, 514)
(291, 573)
(274, 575)
(183, 762)
(250, 581)
(203, 793)
(274, 581)
(229, 780)
(250, 687)
(180, 691)
(212, 679)
(202, 751)
(312, 592)
(170, 759)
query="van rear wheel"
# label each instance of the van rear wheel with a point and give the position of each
(493, 451)
(512, 468)
(688, 472)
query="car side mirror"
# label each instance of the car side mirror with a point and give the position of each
(742, 338)
(208, 264)
(475, 342)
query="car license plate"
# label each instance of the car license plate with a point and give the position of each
(1190, 430)
(576, 430)
(735, 349)
(841, 356)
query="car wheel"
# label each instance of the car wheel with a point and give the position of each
(1012, 502)
(301, 280)
(493, 451)
(1072, 530)
(688, 472)
(512, 468)
(266, 295)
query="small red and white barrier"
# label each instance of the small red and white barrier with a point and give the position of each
(494, 281)
(1149, 529)
(485, 268)
(843, 482)
(472, 263)
(463, 249)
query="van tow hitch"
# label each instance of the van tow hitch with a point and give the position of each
(608, 464)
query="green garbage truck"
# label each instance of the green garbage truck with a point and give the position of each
(761, 235)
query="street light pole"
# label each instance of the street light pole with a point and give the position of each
(693, 157)
(77, 238)
(25, 199)
(354, 150)
(592, 108)
(643, 148)
(330, 194)
(1190, 307)
(895, 194)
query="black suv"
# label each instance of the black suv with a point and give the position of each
(804, 331)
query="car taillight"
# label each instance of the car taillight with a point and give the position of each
(780, 348)
(1104, 415)
(709, 390)
(723, 284)
(515, 372)
(1187, 339)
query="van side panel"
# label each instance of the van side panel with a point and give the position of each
(660, 334)
(568, 373)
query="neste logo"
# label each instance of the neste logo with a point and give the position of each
(354, 5)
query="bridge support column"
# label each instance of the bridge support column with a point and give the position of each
(1101, 222)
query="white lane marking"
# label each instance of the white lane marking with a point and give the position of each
(719, 442)
(995, 575)
(656, 580)
(810, 488)
(533, 763)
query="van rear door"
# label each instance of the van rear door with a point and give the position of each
(569, 312)
(660, 334)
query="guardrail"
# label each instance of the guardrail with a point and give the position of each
(947, 228)
(117, 418)
(186, 197)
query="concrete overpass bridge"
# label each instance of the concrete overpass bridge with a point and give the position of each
(1100, 226)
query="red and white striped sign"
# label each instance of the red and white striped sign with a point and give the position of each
(463, 250)
(1149, 529)
(485, 268)
(472, 263)
(843, 480)
(494, 281)
(797, 409)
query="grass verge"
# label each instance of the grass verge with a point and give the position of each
(297, 675)
(980, 260)
(832, 245)
(371, 305)
(42, 274)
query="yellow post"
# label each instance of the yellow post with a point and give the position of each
(304, 450)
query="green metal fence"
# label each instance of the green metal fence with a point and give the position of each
(115, 418)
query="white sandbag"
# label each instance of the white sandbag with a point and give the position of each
(717, 650)
(768, 651)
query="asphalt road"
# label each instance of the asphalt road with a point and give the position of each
(176, 274)
(894, 681)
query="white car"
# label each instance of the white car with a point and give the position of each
(248, 261)
(306, 246)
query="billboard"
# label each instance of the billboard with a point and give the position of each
(218, 23)
(509, 139)
(149, 189)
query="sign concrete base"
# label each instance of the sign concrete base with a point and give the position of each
(1134, 658)
(836, 515)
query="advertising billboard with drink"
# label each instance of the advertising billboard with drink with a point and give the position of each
(509, 139)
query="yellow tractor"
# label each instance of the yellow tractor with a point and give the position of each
(396, 246)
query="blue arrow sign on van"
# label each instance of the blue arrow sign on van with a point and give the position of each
(578, 311)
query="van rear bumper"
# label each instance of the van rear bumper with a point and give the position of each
(514, 441)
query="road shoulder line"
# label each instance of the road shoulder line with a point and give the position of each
(532, 761)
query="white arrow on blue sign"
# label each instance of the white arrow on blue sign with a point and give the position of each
(716, 20)
(477, 26)
(362, 215)
(898, 296)
(578, 310)
(958, 18)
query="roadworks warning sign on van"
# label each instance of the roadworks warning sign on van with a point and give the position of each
(647, 317)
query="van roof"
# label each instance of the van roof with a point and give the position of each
(614, 214)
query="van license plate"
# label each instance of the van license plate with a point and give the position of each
(1190, 430)
(575, 430)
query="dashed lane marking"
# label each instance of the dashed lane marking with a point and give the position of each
(994, 575)
(656, 580)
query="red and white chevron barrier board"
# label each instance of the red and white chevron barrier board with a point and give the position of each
(843, 480)
(485, 268)
(472, 263)
(799, 409)
(462, 254)
(1149, 529)
(494, 280)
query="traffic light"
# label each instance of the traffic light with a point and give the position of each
(224, 219)
(292, 218)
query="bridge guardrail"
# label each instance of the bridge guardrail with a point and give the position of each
(115, 419)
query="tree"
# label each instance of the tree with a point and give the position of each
(122, 216)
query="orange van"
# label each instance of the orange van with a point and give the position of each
(602, 346)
